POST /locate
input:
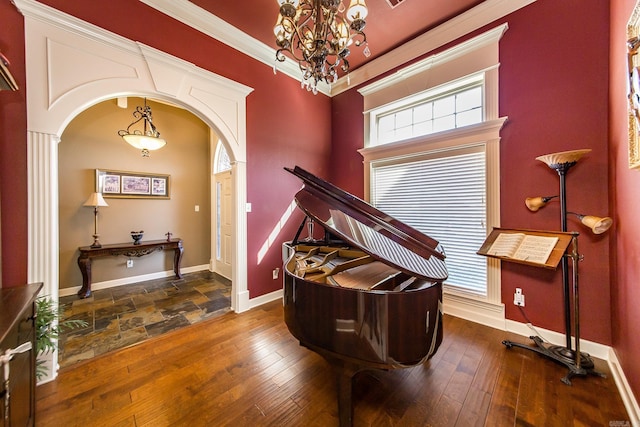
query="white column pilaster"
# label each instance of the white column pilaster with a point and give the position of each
(240, 298)
(43, 238)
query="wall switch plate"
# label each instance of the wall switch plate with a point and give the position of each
(129, 263)
(197, 208)
(276, 271)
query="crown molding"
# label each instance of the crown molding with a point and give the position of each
(461, 50)
(211, 25)
(473, 19)
(214, 27)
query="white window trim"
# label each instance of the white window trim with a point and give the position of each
(442, 90)
(479, 55)
(489, 310)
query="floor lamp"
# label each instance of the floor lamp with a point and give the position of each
(95, 200)
(578, 363)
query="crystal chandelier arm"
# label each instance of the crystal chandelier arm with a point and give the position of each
(317, 35)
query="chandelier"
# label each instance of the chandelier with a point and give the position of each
(146, 139)
(317, 34)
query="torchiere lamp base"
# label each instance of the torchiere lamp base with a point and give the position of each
(562, 355)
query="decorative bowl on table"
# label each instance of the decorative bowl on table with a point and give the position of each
(137, 236)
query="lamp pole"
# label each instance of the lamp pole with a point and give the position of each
(562, 169)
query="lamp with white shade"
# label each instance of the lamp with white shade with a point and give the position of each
(147, 138)
(95, 200)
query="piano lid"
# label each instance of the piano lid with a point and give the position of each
(374, 232)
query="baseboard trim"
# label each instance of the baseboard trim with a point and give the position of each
(629, 400)
(594, 349)
(132, 279)
(263, 299)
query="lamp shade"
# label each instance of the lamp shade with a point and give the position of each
(595, 223)
(94, 200)
(563, 157)
(535, 203)
(144, 141)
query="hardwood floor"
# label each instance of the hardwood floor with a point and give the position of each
(247, 370)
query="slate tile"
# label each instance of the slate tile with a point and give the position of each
(122, 316)
(179, 308)
(166, 326)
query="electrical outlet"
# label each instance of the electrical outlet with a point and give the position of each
(276, 271)
(518, 298)
(129, 263)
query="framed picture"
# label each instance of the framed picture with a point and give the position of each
(633, 86)
(123, 184)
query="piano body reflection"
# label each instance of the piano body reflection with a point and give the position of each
(368, 295)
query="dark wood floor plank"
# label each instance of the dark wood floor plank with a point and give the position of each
(504, 402)
(247, 370)
(475, 408)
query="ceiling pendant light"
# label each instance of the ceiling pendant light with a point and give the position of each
(146, 139)
(317, 34)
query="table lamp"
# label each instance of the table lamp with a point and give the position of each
(95, 200)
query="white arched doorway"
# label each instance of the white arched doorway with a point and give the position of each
(72, 65)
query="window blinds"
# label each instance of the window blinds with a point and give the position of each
(442, 195)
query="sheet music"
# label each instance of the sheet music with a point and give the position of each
(525, 247)
(506, 244)
(535, 248)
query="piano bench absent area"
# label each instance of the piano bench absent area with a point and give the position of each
(87, 253)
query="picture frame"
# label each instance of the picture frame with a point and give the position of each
(633, 86)
(132, 185)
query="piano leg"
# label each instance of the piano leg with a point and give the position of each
(344, 372)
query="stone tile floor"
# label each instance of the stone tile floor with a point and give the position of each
(125, 315)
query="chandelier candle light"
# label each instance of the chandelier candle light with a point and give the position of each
(317, 34)
(146, 139)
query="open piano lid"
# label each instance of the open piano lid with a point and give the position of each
(372, 231)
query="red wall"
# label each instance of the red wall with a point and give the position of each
(13, 153)
(553, 75)
(347, 137)
(624, 198)
(553, 88)
(286, 126)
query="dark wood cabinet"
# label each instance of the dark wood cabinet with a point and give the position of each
(17, 327)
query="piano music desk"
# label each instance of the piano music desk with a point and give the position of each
(87, 253)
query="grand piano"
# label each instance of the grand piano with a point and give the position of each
(366, 295)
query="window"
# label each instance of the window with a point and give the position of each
(221, 160)
(432, 160)
(221, 163)
(450, 111)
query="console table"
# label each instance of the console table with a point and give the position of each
(87, 253)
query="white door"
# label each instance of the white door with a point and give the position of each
(223, 224)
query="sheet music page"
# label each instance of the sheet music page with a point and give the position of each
(535, 248)
(506, 244)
